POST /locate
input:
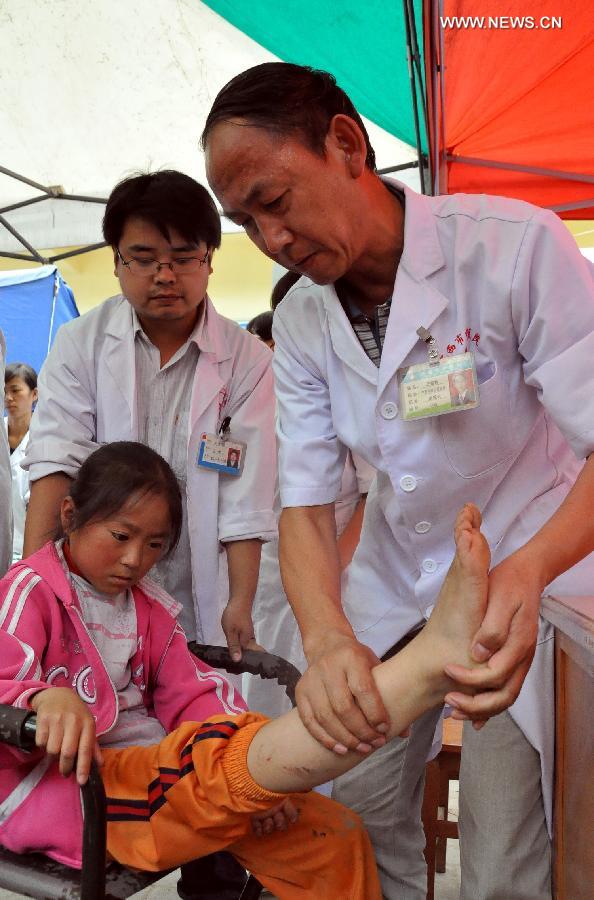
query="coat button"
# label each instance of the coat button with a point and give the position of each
(422, 527)
(408, 483)
(389, 410)
(429, 566)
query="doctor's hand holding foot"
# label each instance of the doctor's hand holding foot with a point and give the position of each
(338, 699)
(283, 757)
(508, 634)
(506, 641)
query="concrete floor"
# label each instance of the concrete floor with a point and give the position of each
(447, 886)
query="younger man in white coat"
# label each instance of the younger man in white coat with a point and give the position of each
(158, 364)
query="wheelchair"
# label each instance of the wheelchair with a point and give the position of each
(37, 876)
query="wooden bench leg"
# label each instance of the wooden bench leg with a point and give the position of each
(430, 803)
(442, 815)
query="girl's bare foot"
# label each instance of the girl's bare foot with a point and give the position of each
(462, 600)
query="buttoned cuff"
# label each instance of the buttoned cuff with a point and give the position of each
(310, 496)
(241, 526)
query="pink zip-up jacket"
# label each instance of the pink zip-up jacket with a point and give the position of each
(45, 643)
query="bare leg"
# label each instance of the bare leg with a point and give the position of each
(284, 757)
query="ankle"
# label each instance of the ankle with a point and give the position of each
(433, 656)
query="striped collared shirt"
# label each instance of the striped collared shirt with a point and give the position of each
(163, 398)
(371, 330)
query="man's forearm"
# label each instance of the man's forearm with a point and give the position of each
(310, 570)
(568, 536)
(43, 512)
(349, 539)
(243, 563)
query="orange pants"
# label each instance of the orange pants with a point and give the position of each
(192, 794)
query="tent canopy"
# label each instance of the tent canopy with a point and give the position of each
(362, 44)
(107, 89)
(512, 98)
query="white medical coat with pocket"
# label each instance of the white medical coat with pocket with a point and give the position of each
(505, 280)
(87, 398)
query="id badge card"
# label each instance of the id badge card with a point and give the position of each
(436, 388)
(221, 453)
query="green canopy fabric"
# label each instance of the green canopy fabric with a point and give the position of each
(362, 44)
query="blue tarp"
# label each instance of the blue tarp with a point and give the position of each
(33, 305)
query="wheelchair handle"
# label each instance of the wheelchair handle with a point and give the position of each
(256, 662)
(17, 727)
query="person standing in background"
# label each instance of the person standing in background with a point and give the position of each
(5, 485)
(261, 326)
(20, 395)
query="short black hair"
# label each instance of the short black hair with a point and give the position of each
(286, 99)
(168, 200)
(21, 370)
(115, 473)
(282, 288)
(261, 326)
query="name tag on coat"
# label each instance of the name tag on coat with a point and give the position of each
(221, 453)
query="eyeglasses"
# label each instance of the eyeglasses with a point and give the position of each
(182, 265)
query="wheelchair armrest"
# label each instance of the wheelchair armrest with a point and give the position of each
(256, 662)
(17, 727)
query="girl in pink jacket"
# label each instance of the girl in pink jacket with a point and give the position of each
(93, 647)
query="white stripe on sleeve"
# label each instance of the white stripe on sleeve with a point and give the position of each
(222, 687)
(21, 603)
(12, 591)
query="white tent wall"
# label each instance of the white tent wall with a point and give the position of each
(95, 91)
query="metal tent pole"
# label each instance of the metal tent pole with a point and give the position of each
(411, 75)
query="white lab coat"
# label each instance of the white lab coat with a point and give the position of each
(275, 626)
(5, 483)
(20, 495)
(512, 275)
(87, 397)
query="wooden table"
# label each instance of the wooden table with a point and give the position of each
(573, 618)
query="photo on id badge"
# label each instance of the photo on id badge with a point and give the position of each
(221, 454)
(434, 389)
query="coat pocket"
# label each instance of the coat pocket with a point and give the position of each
(477, 440)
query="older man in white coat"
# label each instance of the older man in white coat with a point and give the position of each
(391, 282)
(5, 484)
(158, 364)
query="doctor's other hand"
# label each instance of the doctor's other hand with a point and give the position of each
(506, 640)
(237, 624)
(66, 729)
(337, 698)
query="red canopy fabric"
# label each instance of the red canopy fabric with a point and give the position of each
(517, 88)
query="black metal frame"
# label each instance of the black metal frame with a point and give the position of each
(418, 94)
(49, 193)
